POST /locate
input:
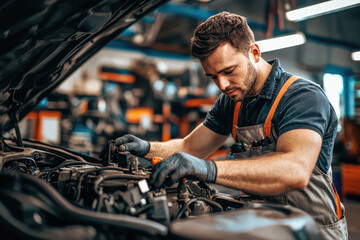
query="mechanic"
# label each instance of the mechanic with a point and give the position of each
(283, 125)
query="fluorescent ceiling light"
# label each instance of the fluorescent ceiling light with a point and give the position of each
(355, 56)
(320, 9)
(272, 44)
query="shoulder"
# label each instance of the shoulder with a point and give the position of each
(305, 105)
(302, 93)
(307, 91)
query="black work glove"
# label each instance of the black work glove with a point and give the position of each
(182, 165)
(134, 145)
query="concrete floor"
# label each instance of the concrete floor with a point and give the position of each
(352, 213)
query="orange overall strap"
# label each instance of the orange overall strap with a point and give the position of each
(338, 205)
(267, 132)
(235, 119)
(267, 124)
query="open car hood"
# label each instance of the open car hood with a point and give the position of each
(43, 41)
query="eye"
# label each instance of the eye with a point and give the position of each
(229, 71)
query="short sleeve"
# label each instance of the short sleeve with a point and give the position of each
(219, 118)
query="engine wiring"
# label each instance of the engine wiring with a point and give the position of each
(66, 210)
(85, 174)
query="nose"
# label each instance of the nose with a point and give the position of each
(223, 83)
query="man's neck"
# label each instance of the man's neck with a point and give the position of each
(264, 69)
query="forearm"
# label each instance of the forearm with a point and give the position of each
(288, 168)
(201, 142)
(270, 174)
(165, 149)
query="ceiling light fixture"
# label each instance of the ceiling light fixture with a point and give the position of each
(276, 43)
(355, 56)
(320, 9)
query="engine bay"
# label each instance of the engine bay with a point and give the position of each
(53, 193)
(115, 185)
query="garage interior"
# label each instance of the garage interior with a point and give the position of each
(145, 82)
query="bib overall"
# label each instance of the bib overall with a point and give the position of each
(319, 198)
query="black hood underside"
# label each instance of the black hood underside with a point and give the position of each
(43, 41)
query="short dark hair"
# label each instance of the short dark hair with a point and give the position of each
(220, 28)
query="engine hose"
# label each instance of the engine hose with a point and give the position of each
(187, 205)
(25, 232)
(81, 178)
(32, 160)
(62, 152)
(97, 182)
(67, 210)
(212, 203)
(184, 208)
(61, 166)
(23, 158)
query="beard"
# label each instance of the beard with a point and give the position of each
(249, 82)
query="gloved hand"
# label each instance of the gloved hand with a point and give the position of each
(134, 145)
(182, 165)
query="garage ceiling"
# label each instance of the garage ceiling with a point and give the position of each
(171, 27)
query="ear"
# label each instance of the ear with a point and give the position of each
(255, 51)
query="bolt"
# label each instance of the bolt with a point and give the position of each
(142, 202)
(132, 210)
(37, 156)
(37, 218)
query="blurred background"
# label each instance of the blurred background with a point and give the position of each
(145, 82)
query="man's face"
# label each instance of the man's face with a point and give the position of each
(231, 70)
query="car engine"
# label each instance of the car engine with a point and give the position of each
(48, 192)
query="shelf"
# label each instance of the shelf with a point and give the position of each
(350, 179)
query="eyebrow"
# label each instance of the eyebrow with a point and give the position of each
(222, 70)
